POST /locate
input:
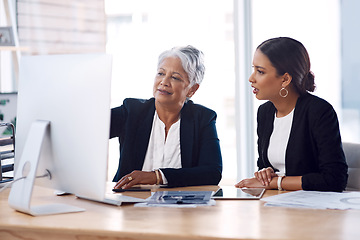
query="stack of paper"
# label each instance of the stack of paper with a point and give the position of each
(315, 199)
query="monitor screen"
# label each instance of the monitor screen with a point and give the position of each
(71, 94)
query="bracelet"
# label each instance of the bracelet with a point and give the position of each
(157, 177)
(279, 183)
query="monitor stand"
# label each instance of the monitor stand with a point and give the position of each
(25, 174)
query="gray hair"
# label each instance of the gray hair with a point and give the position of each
(192, 61)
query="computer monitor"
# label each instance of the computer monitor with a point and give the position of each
(63, 119)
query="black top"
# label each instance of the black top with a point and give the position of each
(314, 149)
(199, 144)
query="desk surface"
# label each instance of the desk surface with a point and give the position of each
(228, 219)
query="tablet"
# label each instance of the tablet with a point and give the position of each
(232, 193)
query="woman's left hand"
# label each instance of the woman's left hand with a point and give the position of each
(136, 177)
(250, 183)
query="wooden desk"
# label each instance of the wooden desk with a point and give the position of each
(246, 219)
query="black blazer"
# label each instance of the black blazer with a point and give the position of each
(199, 144)
(314, 149)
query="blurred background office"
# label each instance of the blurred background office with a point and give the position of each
(227, 31)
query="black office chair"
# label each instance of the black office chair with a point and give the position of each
(7, 151)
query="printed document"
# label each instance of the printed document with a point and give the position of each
(315, 199)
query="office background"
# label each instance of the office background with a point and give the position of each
(136, 32)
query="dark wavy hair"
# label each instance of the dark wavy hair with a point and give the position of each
(288, 55)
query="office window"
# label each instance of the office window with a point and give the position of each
(61, 27)
(51, 27)
(6, 59)
(138, 31)
(350, 77)
(325, 27)
(314, 23)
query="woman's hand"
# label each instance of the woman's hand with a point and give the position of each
(136, 177)
(250, 183)
(265, 175)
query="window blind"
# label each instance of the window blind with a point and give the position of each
(61, 27)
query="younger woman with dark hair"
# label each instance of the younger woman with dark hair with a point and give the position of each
(299, 142)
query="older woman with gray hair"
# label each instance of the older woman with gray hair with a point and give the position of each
(168, 140)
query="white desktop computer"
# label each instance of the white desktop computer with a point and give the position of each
(62, 129)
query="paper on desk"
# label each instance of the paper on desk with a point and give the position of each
(144, 204)
(315, 199)
(178, 199)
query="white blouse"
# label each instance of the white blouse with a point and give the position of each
(279, 140)
(161, 152)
